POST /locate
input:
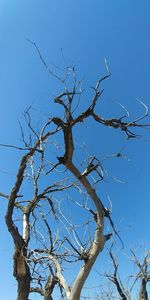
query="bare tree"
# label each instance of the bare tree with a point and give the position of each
(47, 235)
(141, 276)
(143, 273)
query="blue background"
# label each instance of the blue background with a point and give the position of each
(87, 31)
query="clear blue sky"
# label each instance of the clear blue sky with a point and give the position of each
(87, 31)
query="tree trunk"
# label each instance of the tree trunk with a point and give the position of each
(22, 274)
(143, 295)
(49, 286)
(47, 297)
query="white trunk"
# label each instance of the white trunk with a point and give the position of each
(26, 227)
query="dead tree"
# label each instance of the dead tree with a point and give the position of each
(34, 203)
(141, 276)
(114, 277)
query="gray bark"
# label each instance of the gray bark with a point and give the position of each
(22, 275)
(143, 295)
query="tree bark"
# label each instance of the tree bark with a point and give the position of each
(143, 295)
(50, 284)
(22, 274)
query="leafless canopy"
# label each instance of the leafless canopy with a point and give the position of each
(140, 278)
(55, 215)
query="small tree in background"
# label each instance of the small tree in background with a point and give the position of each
(141, 277)
(55, 215)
